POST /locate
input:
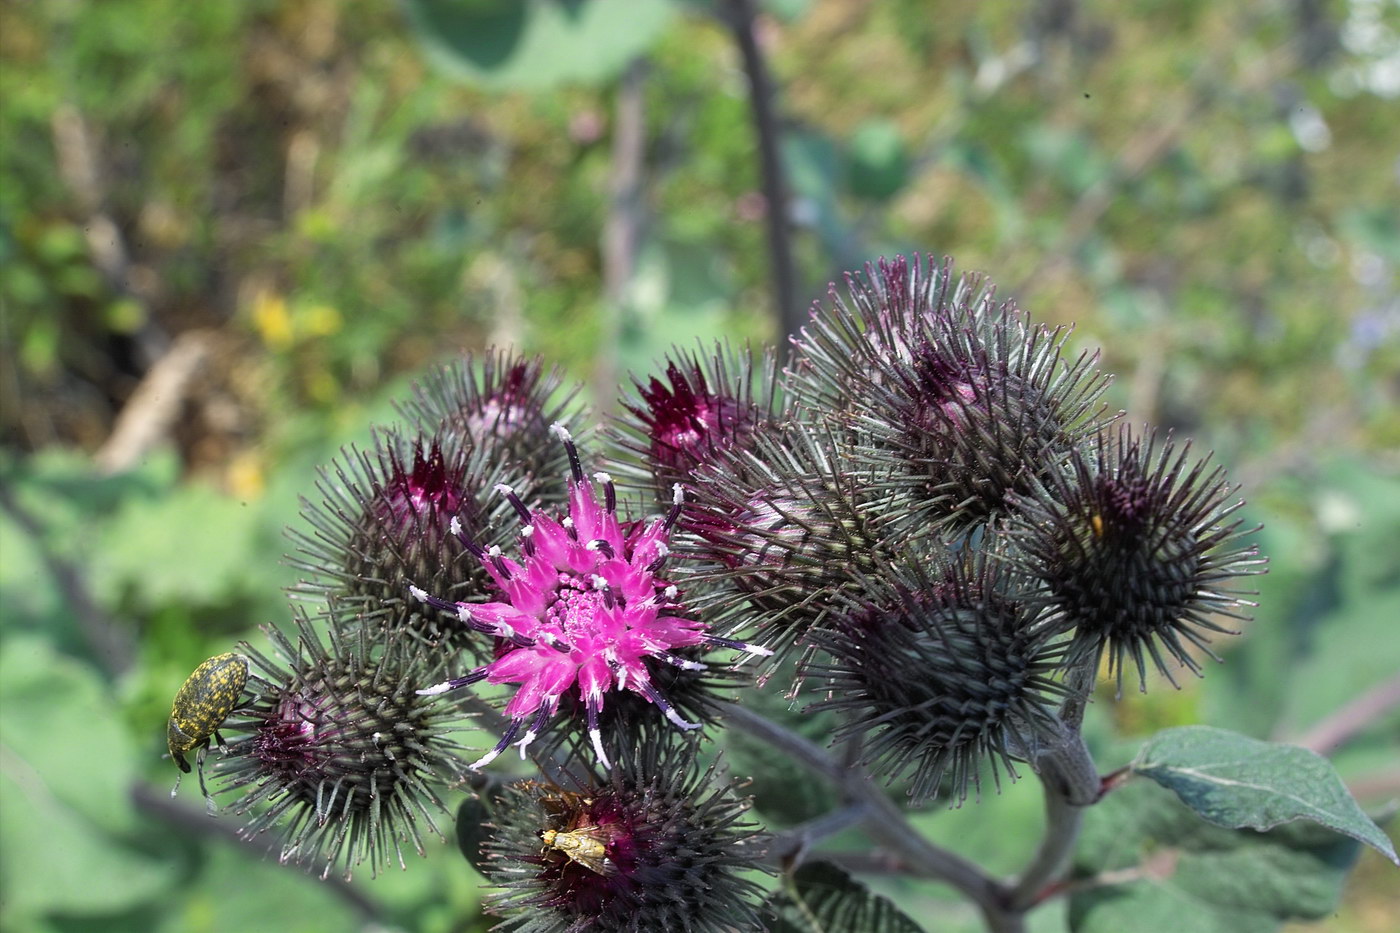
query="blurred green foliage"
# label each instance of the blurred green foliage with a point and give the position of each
(1207, 190)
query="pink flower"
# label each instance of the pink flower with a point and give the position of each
(584, 608)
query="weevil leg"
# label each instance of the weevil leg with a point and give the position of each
(199, 766)
(219, 738)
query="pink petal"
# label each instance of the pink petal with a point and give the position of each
(594, 677)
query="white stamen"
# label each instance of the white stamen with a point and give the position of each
(495, 551)
(434, 690)
(759, 650)
(503, 489)
(599, 583)
(484, 760)
(455, 526)
(504, 630)
(597, 738)
(592, 545)
(662, 550)
(675, 717)
(523, 743)
(464, 614)
(561, 432)
(567, 522)
(677, 494)
(602, 478)
(420, 595)
(528, 531)
(671, 592)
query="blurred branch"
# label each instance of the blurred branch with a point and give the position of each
(739, 16)
(196, 823)
(1334, 731)
(622, 228)
(1377, 785)
(110, 643)
(147, 416)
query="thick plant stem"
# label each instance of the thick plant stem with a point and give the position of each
(884, 821)
(1062, 823)
(1071, 782)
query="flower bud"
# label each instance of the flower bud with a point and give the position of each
(1135, 549)
(655, 845)
(337, 750)
(710, 404)
(394, 515)
(786, 525)
(943, 677)
(964, 398)
(502, 405)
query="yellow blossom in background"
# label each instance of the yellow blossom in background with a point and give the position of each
(246, 476)
(272, 321)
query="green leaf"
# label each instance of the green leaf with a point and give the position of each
(68, 765)
(1235, 781)
(1147, 863)
(821, 898)
(536, 44)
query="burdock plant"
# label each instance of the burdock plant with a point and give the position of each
(926, 518)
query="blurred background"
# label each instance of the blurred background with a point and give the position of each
(232, 233)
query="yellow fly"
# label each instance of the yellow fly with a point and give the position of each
(587, 845)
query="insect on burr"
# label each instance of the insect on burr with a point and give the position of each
(587, 846)
(201, 705)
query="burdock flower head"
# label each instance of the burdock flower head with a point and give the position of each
(388, 515)
(585, 611)
(502, 405)
(1135, 549)
(944, 676)
(964, 398)
(786, 525)
(337, 749)
(655, 845)
(705, 405)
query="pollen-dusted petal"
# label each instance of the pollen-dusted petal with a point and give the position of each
(529, 590)
(594, 677)
(552, 541)
(542, 674)
(542, 578)
(500, 567)
(650, 544)
(587, 514)
(677, 632)
(504, 616)
(632, 583)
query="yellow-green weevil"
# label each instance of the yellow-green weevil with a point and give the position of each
(201, 705)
